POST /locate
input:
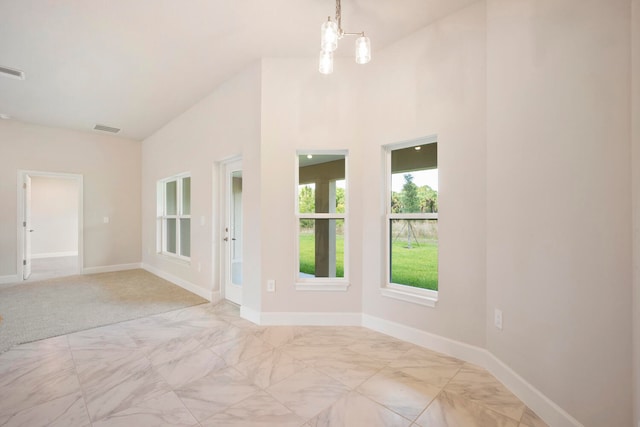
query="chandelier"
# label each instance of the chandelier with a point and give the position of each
(330, 32)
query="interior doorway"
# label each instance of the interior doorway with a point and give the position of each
(232, 233)
(49, 225)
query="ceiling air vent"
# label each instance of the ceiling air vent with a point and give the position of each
(104, 128)
(10, 72)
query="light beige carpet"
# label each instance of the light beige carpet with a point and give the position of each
(48, 308)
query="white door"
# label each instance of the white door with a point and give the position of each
(232, 233)
(26, 227)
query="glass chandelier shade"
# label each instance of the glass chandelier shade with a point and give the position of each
(329, 35)
(326, 62)
(363, 50)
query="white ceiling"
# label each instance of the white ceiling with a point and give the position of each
(136, 64)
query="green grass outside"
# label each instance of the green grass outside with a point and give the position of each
(308, 250)
(416, 267)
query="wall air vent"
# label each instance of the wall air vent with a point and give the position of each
(11, 72)
(104, 128)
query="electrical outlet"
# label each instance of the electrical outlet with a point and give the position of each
(497, 318)
(271, 285)
(199, 267)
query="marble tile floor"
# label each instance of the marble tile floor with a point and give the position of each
(205, 366)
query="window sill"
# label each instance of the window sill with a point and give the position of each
(175, 258)
(323, 286)
(429, 301)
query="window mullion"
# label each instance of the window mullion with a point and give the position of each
(411, 234)
(322, 245)
(165, 218)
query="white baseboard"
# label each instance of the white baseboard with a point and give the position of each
(467, 352)
(546, 409)
(184, 284)
(216, 297)
(111, 268)
(309, 319)
(54, 254)
(250, 314)
(9, 279)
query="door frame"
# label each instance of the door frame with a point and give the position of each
(225, 205)
(21, 207)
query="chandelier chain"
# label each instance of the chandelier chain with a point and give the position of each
(330, 33)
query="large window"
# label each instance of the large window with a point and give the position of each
(174, 216)
(412, 221)
(321, 211)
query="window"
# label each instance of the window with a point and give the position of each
(412, 221)
(174, 216)
(321, 210)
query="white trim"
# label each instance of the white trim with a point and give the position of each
(407, 216)
(9, 279)
(311, 319)
(79, 179)
(339, 216)
(111, 268)
(336, 216)
(429, 139)
(184, 284)
(163, 217)
(412, 297)
(390, 289)
(250, 314)
(54, 254)
(229, 290)
(544, 407)
(323, 287)
(176, 259)
(216, 297)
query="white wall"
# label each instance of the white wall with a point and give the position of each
(111, 170)
(226, 123)
(302, 109)
(558, 205)
(529, 100)
(54, 216)
(432, 82)
(635, 129)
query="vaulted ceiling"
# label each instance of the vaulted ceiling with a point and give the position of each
(136, 64)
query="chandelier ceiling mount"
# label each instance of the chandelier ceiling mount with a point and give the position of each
(330, 33)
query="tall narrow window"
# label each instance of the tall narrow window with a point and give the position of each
(174, 216)
(322, 213)
(412, 219)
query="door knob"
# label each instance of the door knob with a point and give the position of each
(226, 239)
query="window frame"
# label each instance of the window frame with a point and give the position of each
(322, 283)
(426, 297)
(162, 216)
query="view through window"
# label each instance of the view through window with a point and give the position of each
(174, 216)
(413, 217)
(321, 215)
